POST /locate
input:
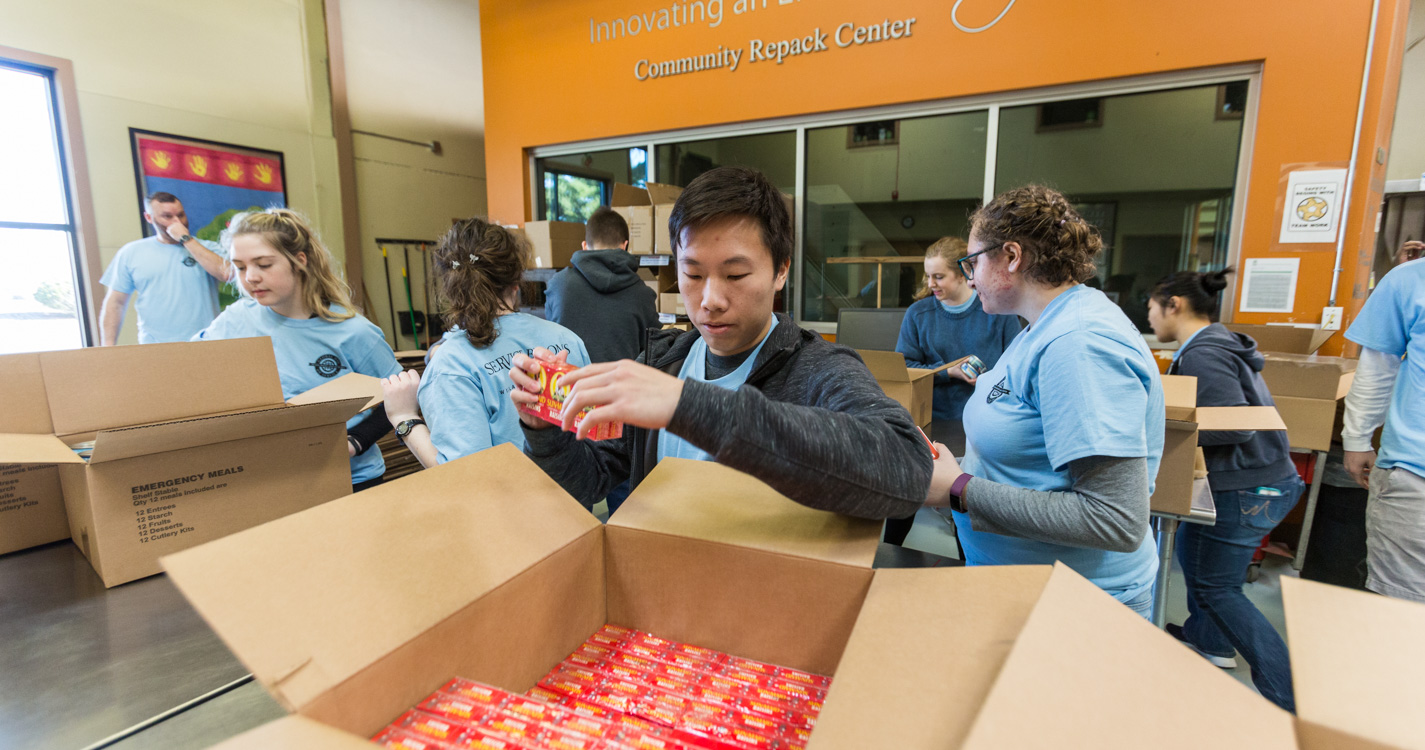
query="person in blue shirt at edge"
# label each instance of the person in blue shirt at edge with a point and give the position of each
(748, 388)
(1064, 435)
(1253, 480)
(175, 275)
(291, 293)
(948, 322)
(463, 395)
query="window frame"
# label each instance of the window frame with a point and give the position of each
(74, 174)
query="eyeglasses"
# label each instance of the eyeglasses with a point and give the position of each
(967, 263)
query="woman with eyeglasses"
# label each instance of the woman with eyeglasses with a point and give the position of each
(1064, 434)
(947, 322)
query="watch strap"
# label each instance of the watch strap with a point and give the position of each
(185, 239)
(406, 425)
(957, 491)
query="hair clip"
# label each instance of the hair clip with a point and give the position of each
(454, 264)
(1062, 222)
(474, 258)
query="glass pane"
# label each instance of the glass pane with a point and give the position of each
(30, 186)
(1155, 174)
(38, 305)
(887, 191)
(577, 197)
(774, 154)
(626, 165)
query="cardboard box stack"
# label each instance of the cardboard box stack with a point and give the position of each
(646, 211)
(911, 387)
(1182, 474)
(1306, 386)
(553, 242)
(161, 447)
(353, 611)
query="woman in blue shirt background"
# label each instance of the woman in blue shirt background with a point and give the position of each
(464, 394)
(292, 294)
(1064, 435)
(948, 322)
(1254, 484)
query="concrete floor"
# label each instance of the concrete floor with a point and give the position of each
(932, 533)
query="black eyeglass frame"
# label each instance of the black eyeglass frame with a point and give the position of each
(968, 271)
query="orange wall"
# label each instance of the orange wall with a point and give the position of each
(546, 83)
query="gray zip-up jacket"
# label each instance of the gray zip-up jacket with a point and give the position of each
(811, 422)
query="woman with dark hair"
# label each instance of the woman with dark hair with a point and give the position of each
(465, 392)
(1064, 434)
(1253, 481)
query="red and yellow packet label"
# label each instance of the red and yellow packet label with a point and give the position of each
(552, 395)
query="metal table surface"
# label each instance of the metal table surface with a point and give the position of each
(81, 663)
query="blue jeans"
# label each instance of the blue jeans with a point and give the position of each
(1142, 604)
(1215, 559)
(616, 496)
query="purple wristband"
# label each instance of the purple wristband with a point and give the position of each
(957, 492)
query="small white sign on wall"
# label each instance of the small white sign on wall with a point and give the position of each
(1313, 205)
(1269, 285)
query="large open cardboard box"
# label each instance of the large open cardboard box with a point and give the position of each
(192, 441)
(911, 387)
(352, 611)
(31, 506)
(1285, 339)
(553, 243)
(1180, 473)
(1306, 388)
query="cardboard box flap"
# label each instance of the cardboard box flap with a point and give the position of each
(26, 448)
(1180, 397)
(1250, 418)
(295, 733)
(159, 382)
(887, 366)
(1309, 375)
(628, 195)
(1087, 671)
(658, 193)
(1290, 339)
(1357, 662)
(128, 442)
(709, 501)
(308, 600)
(935, 639)
(23, 404)
(350, 385)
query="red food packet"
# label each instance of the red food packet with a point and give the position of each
(620, 671)
(531, 709)
(398, 739)
(662, 681)
(550, 406)
(724, 683)
(595, 650)
(796, 737)
(582, 706)
(775, 697)
(688, 662)
(758, 724)
(748, 677)
(600, 638)
(612, 700)
(677, 672)
(571, 741)
(797, 690)
(752, 665)
(431, 726)
(579, 674)
(698, 652)
(570, 721)
(455, 706)
(476, 692)
(618, 631)
(743, 738)
(806, 678)
(511, 727)
(636, 662)
(481, 740)
(582, 659)
(640, 648)
(544, 694)
(650, 640)
(713, 697)
(772, 711)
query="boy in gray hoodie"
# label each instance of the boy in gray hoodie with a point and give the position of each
(600, 296)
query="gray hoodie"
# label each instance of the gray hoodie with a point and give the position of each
(601, 299)
(1228, 369)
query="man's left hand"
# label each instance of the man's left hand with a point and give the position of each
(623, 391)
(176, 230)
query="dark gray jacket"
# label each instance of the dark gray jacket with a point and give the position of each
(1228, 369)
(811, 422)
(601, 299)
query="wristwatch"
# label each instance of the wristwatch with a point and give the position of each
(404, 428)
(957, 492)
(185, 239)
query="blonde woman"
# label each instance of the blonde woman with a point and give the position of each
(946, 323)
(291, 293)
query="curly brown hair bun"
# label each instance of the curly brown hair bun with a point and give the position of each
(476, 263)
(1059, 246)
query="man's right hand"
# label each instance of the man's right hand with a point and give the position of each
(1359, 464)
(525, 374)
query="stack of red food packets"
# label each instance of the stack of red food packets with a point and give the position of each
(624, 689)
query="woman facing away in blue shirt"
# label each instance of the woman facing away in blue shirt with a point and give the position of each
(464, 394)
(948, 322)
(1064, 435)
(291, 293)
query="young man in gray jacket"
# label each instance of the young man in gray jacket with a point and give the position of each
(747, 388)
(600, 296)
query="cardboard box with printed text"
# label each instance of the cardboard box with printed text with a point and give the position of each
(191, 441)
(352, 611)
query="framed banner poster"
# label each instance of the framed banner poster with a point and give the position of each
(214, 181)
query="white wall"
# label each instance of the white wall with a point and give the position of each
(1407, 141)
(413, 71)
(238, 72)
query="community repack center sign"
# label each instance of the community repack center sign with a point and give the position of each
(730, 57)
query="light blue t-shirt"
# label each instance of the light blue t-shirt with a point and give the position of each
(695, 367)
(177, 298)
(1079, 382)
(465, 391)
(312, 352)
(1393, 321)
